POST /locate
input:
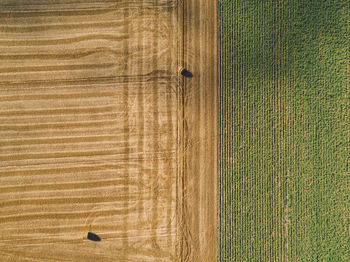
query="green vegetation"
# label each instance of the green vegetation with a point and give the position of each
(284, 182)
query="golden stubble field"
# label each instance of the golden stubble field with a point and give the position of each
(100, 133)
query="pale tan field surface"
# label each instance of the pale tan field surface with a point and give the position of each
(99, 132)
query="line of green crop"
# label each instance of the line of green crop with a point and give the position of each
(283, 130)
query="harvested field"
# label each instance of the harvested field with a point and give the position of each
(100, 133)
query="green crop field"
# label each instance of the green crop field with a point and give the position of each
(284, 182)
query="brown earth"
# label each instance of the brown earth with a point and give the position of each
(99, 132)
